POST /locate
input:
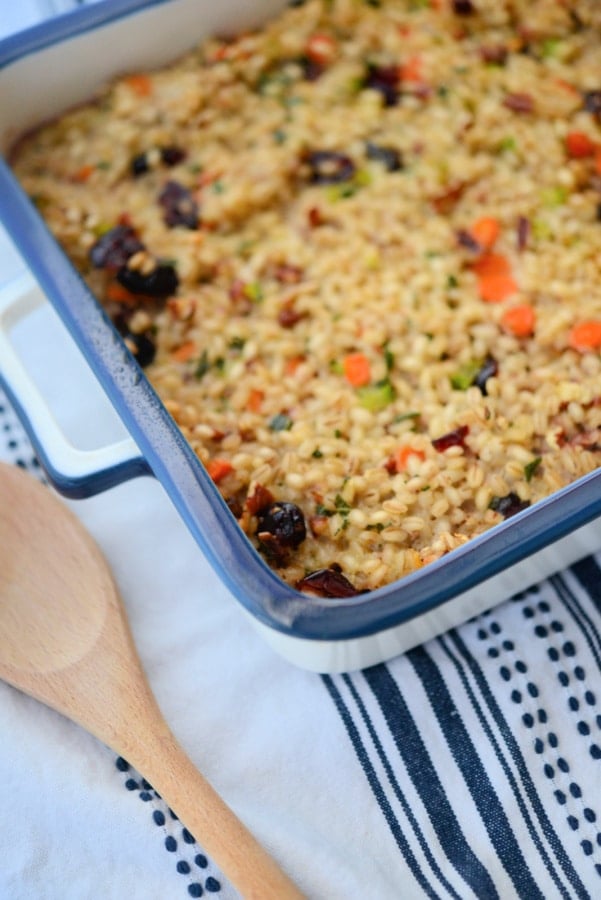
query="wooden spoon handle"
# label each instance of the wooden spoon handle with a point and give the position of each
(222, 835)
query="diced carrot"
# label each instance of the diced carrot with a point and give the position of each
(255, 399)
(140, 84)
(118, 294)
(84, 173)
(585, 335)
(184, 352)
(403, 454)
(495, 279)
(519, 320)
(321, 49)
(485, 231)
(357, 369)
(292, 364)
(219, 468)
(579, 145)
(411, 70)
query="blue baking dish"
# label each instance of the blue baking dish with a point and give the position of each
(52, 66)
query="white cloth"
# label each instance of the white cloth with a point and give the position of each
(469, 768)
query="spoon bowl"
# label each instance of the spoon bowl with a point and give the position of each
(65, 640)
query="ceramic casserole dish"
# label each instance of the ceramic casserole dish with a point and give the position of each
(55, 66)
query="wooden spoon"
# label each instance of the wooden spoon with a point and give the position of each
(65, 640)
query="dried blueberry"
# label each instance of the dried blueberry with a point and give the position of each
(312, 70)
(115, 247)
(328, 583)
(329, 167)
(139, 165)
(179, 206)
(489, 368)
(592, 102)
(509, 505)
(385, 80)
(142, 347)
(390, 157)
(284, 522)
(161, 282)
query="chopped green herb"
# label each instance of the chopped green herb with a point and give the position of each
(219, 364)
(452, 282)
(237, 343)
(550, 48)
(253, 291)
(388, 358)
(218, 187)
(337, 433)
(317, 454)
(341, 505)
(279, 136)
(442, 91)
(281, 422)
(531, 467)
(103, 164)
(541, 229)
(336, 367)
(404, 417)
(507, 145)
(376, 397)
(321, 510)
(464, 377)
(377, 526)
(554, 196)
(203, 365)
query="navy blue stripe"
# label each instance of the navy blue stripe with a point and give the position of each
(580, 617)
(460, 669)
(427, 783)
(474, 774)
(397, 788)
(377, 789)
(588, 573)
(516, 755)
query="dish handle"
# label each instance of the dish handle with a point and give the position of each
(74, 472)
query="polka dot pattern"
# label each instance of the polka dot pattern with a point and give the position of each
(178, 841)
(546, 625)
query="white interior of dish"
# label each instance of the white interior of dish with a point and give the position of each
(42, 84)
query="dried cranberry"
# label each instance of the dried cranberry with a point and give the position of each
(385, 80)
(495, 55)
(179, 206)
(489, 368)
(329, 167)
(468, 241)
(455, 438)
(288, 316)
(115, 247)
(142, 346)
(509, 505)
(172, 155)
(260, 499)
(523, 232)
(592, 102)
(390, 157)
(328, 583)
(519, 102)
(463, 7)
(161, 282)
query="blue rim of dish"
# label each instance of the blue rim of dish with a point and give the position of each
(170, 458)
